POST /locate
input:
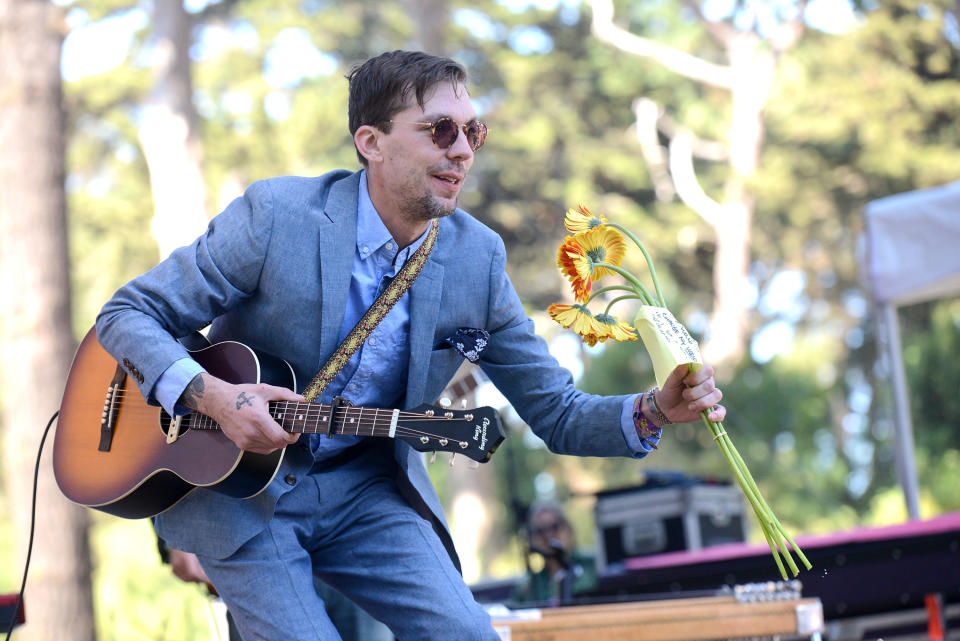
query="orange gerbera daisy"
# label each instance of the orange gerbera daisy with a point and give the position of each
(581, 219)
(617, 330)
(579, 256)
(574, 264)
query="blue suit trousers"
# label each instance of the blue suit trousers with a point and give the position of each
(349, 525)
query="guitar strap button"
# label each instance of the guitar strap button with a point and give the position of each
(291, 479)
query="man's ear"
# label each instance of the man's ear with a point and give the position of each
(367, 140)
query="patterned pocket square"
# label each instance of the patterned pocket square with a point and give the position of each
(470, 342)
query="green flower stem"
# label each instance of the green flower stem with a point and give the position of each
(646, 255)
(773, 551)
(780, 527)
(617, 300)
(642, 293)
(612, 288)
(777, 537)
(763, 517)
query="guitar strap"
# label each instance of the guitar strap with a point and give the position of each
(384, 303)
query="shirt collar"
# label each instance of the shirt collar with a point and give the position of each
(372, 233)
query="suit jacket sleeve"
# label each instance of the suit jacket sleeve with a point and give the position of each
(195, 284)
(519, 364)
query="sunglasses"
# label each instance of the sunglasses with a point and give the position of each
(446, 130)
(554, 526)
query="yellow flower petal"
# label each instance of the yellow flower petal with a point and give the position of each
(598, 245)
(577, 318)
(617, 330)
(581, 219)
(574, 265)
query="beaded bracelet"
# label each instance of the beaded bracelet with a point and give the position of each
(646, 429)
(661, 417)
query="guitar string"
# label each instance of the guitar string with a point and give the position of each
(377, 432)
(325, 409)
(312, 412)
(150, 417)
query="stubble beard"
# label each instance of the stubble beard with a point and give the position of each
(427, 207)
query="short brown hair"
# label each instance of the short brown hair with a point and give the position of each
(381, 86)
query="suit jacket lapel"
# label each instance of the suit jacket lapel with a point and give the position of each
(337, 243)
(425, 296)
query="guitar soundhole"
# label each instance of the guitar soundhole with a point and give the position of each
(165, 422)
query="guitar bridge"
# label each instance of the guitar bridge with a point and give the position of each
(110, 408)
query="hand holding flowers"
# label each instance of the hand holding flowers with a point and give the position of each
(595, 250)
(685, 394)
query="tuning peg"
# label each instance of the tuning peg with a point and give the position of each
(444, 402)
(452, 457)
(433, 457)
(463, 403)
(473, 464)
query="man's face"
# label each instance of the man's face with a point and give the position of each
(423, 180)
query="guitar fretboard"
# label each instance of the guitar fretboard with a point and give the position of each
(314, 418)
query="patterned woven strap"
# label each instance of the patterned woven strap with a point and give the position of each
(384, 303)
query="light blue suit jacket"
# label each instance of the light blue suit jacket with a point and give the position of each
(273, 271)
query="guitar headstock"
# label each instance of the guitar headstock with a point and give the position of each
(475, 433)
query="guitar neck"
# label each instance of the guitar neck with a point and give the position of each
(314, 418)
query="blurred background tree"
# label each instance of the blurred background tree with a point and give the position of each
(36, 344)
(856, 101)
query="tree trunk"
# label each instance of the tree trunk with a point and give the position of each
(431, 19)
(752, 72)
(169, 134)
(749, 77)
(36, 341)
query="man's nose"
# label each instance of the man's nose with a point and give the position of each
(461, 148)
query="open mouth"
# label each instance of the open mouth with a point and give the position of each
(449, 180)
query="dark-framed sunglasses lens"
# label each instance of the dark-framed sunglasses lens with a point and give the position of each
(445, 132)
(476, 134)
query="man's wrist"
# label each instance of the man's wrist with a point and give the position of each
(660, 419)
(193, 393)
(647, 431)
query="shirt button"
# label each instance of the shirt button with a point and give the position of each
(373, 340)
(291, 479)
(364, 249)
(389, 246)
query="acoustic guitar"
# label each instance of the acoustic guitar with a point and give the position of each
(114, 452)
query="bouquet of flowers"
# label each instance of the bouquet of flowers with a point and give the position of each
(595, 250)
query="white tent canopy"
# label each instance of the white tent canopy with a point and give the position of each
(913, 255)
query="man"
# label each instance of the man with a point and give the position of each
(288, 269)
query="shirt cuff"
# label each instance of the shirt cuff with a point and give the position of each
(639, 446)
(169, 387)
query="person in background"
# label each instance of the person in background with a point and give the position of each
(566, 571)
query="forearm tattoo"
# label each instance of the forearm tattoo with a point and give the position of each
(194, 392)
(243, 399)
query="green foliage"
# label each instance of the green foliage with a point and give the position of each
(931, 340)
(136, 596)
